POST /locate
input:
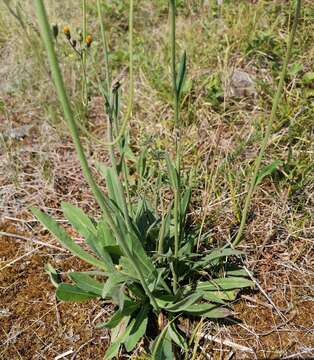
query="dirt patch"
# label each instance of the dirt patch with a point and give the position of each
(33, 324)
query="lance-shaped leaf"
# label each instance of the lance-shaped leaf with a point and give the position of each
(185, 201)
(138, 329)
(224, 284)
(68, 292)
(128, 309)
(107, 240)
(86, 283)
(112, 184)
(162, 347)
(267, 170)
(66, 240)
(185, 303)
(208, 310)
(121, 335)
(177, 337)
(181, 74)
(83, 224)
(79, 220)
(172, 172)
(215, 255)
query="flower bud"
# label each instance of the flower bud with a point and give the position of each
(67, 32)
(55, 30)
(89, 40)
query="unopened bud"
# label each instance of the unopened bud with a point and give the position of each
(89, 40)
(55, 30)
(67, 32)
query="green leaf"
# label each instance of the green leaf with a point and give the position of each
(53, 275)
(68, 292)
(267, 170)
(185, 201)
(212, 297)
(114, 280)
(172, 172)
(107, 240)
(181, 74)
(224, 284)
(65, 239)
(112, 351)
(294, 69)
(138, 329)
(162, 347)
(141, 163)
(214, 255)
(236, 272)
(112, 184)
(177, 337)
(79, 220)
(219, 253)
(128, 309)
(122, 333)
(164, 231)
(165, 300)
(82, 223)
(139, 253)
(184, 303)
(208, 310)
(86, 283)
(308, 78)
(220, 297)
(144, 218)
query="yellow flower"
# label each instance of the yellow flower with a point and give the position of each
(67, 32)
(89, 40)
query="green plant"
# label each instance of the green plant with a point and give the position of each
(147, 263)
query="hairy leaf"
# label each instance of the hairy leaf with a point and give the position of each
(138, 329)
(68, 292)
(181, 74)
(66, 241)
(224, 284)
(86, 283)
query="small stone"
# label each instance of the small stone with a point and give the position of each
(241, 84)
(17, 133)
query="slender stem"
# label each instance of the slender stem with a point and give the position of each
(105, 46)
(177, 134)
(269, 126)
(119, 184)
(173, 59)
(161, 239)
(84, 78)
(100, 197)
(129, 110)
(111, 99)
(176, 111)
